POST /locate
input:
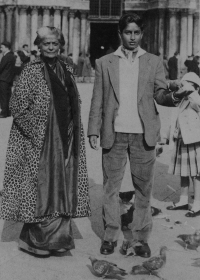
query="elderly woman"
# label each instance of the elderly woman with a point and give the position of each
(46, 182)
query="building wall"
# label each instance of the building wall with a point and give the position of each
(171, 25)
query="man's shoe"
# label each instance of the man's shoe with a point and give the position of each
(143, 250)
(107, 247)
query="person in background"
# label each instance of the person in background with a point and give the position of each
(166, 67)
(184, 141)
(33, 55)
(87, 68)
(195, 64)
(188, 62)
(18, 64)
(127, 85)
(7, 72)
(173, 66)
(69, 60)
(80, 65)
(45, 180)
(26, 52)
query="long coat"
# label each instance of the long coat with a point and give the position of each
(29, 106)
(105, 102)
(173, 68)
(7, 68)
(87, 68)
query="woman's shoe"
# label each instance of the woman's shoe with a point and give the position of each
(181, 207)
(192, 214)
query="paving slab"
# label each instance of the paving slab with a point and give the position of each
(181, 264)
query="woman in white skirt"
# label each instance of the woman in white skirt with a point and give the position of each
(184, 140)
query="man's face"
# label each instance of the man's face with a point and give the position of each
(3, 49)
(131, 36)
(26, 48)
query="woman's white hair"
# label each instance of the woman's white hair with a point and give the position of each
(44, 31)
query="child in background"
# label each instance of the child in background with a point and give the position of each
(184, 141)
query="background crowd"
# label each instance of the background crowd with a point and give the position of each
(12, 63)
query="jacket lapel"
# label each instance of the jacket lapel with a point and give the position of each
(113, 70)
(143, 76)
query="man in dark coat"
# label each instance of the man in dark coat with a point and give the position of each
(188, 62)
(7, 67)
(194, 66)
(173, 66)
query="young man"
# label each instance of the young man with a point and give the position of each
(7, 67)
(123, 112)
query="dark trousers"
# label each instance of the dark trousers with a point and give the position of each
(142, 159)
(5, 94)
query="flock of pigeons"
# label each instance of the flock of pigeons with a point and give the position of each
(103, 268)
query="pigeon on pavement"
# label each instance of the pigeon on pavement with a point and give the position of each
(153, 265)
(104, 268)
(191, 239)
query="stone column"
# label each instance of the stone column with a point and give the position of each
(161, 32)
(46, 17)
(16, 21)
(34, 26)
(189, 32)
(196, 37)
(87, 43)
(183, 39)
(9, 13)
(22, 26)
(71, 31)
(2, 22)
(65, 27)
(76, 39)
(83, 32)
(172, 32)
(57, 18)
(156, 22)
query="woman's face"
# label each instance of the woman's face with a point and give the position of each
(50, 46)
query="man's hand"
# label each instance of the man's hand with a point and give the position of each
(185, 90)
(93, 142)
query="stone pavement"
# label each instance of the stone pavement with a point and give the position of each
(17, 265)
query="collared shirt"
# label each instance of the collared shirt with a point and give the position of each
(6, 52)
(128, 119)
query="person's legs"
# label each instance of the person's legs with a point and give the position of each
(142, 159)
(185, 183)
(114, 163)
(196, 203)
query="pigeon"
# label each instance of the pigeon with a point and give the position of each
(104, 268)
(191, 239)
(196, 262)
(126, 196)
(153, 265)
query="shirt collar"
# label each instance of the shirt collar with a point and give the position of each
(119, 52)
(6, 53)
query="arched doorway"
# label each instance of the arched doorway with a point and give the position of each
(103, 39)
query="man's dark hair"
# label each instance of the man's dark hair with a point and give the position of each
(129, 18)
(25, 45)
(176, 53)
(6, 44)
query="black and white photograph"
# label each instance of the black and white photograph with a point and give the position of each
(99, 139)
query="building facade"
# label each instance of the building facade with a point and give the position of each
(90, 28)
